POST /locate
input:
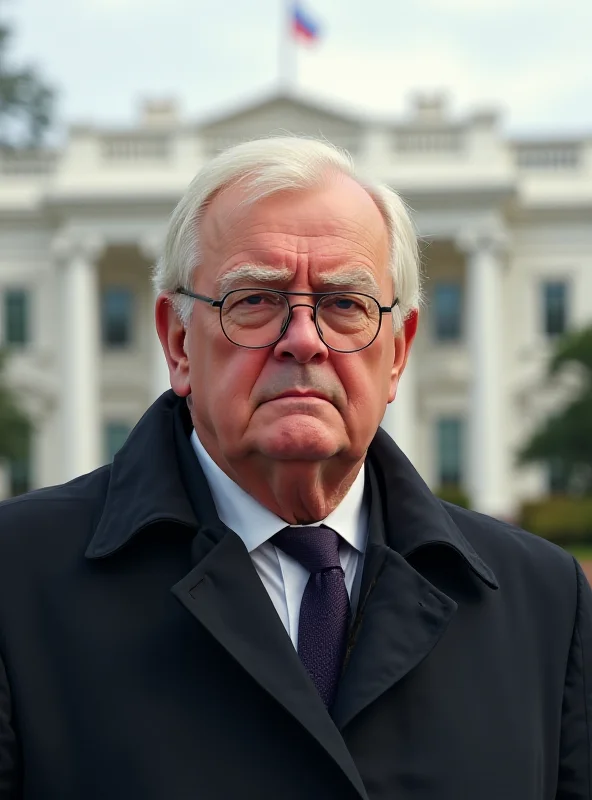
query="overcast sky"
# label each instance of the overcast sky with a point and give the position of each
(532, 59)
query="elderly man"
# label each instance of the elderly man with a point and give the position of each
(260, 598)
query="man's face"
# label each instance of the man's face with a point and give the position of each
(295, 400)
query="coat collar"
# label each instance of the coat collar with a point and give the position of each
(414, 517)
(147, 486)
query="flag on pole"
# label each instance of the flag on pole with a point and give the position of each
(304, 27)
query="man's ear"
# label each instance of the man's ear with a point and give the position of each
(172, 334)
(403, 342)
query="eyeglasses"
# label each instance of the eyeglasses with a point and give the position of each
(256, 318)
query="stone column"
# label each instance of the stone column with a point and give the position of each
(400, 419)
(376, 149)
(80, 353)
(488, 462)
(151, 248)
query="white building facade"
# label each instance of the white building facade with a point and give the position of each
(506, 228)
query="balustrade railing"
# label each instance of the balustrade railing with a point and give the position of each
(422, 142)
(135, 148)
(549, 157)
(27, 163)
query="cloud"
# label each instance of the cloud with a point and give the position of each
(483, 7)
(111, 7)
(382, 81)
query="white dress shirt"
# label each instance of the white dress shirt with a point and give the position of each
(285, 578)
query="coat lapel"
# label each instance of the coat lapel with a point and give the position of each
(401, 615)
(224, 593)
(398, 623)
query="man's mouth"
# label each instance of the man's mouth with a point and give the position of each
(301, 394)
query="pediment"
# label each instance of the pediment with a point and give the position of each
(281, 115)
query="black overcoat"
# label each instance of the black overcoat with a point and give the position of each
(142, 659)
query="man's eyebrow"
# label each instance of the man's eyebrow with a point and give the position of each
(248, 274)
(356, 279)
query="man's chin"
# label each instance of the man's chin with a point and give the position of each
(300, 438)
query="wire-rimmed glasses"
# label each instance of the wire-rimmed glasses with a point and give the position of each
(256, 318)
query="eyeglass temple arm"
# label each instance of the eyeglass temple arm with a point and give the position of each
(202, 297)
(388, 309)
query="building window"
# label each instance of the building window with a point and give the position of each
(554, 307)
(115, 435)
(450, 451)
(16, 317)
(117, 316)
(447, 311)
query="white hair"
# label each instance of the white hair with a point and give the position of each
(264, 167)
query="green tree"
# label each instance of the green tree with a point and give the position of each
(15, 435)
(14, 423)
(564, 440)
(26, 102)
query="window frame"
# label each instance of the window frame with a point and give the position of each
(25, 293)
(544, 311)
(128, 342)
(459, 478)
(437, 332)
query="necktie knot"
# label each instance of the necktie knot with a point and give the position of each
(315, 548)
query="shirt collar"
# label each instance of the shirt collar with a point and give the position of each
(255, 524)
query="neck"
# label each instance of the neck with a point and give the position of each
(299, 492)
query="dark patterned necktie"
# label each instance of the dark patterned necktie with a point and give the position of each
(325, 609)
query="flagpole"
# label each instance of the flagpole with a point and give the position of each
(287, 56)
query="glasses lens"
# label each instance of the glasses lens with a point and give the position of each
(254, 318)
(349, 321)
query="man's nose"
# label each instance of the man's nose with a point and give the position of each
(301, 340)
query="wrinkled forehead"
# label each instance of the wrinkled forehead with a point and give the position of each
(328, 228)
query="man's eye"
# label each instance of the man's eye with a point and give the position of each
(344, 304)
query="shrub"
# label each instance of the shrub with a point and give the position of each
(564, 520)
(452, 493)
